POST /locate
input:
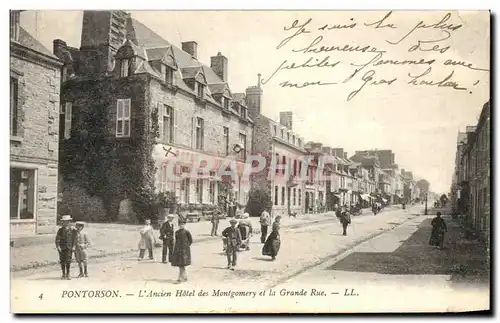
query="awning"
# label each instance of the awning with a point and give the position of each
(337, 195)
(365, 197)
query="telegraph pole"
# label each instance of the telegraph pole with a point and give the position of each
(426, 197)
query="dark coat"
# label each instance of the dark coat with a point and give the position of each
(167, 232)
(438, 229)
(182, 248)
(233, 236)
(65, 238)
(273, 243)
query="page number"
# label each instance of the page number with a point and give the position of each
(41, 296)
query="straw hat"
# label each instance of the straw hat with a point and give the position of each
(80, 223)
(66, 218)
(170, 216)
(233, 221)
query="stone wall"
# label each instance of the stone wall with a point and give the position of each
(36, 144)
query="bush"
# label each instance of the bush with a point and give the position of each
(258, 201)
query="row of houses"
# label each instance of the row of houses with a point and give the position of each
(95, 127)
(470, 190)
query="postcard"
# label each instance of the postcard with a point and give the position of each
(249, 161)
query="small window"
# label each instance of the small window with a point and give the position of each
(199, 133)
(288, 137)
(282, 134)
(300, 196)
(243, 112)
(276, 194)
(200, 90)
(212, 192)
(275, 131)
(243, 143)
(167, 73)
(123, 118)
(226, 102)
(126, 67)
(168, 124)
(199, 190)
(64, 73)
(282, 196)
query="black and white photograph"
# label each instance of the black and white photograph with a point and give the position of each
(250, 161)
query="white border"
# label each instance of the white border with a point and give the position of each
(203, 5)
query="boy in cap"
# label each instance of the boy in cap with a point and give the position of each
(65, 243)
(82, 242)
(233, 236)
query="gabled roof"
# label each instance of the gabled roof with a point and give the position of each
(218, 88)
(29, 41)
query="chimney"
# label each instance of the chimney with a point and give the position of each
(103, 33)
(191, 47)
(326, 150)
(219, 65)
(59, 47)
(15, 16)
(286, 119)
(345, 156)
(254, 99)
(338, 152)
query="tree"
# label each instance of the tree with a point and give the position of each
(424, 186)
(258, 201)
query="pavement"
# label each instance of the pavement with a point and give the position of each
(303, 247)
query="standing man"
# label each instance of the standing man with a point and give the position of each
(65, 244)
(345, 219)
(233, 236)
(265, 220)
(167, 235)
(215, 222)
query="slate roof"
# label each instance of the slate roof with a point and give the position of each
(29, 41)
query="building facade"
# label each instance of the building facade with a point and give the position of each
(149, 98)
(475, 167)
(286, 176)
(34, 120)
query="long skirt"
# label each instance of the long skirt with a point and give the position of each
(272, 245)
(437, 238)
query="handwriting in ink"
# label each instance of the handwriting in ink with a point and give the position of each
(330, 27)
(439, 25)
(300, 29)
(446, 82)
(379, 24)
(368, 79)
(450, 62)
(325, 62)
(314, 48)
(434, 48)
(305, 84)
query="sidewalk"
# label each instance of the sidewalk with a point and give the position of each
(114, 239)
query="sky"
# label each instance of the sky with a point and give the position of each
(419, 123)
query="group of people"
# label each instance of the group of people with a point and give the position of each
(71, 241)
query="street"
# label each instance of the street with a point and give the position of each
(382, 255)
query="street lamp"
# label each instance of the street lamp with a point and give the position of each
(426, 196)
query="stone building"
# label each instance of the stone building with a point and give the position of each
(280, 145)
(476, 163)
(34, 120)
(154, 109)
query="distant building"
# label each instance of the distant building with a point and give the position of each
(34, 120)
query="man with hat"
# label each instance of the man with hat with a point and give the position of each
(167, 235)
(82, 242)
(233, 236)
(65, 243)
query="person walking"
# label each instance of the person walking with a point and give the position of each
(273, 242)
(245, 228)
(167, 236)
(214, 219)
(182, 250)
(82, 242)
(147, 241)
(265, 220)
(233, 236)
(65, 244)
(439, 228)
(345, 219)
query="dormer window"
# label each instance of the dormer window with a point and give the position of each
(275, 131)
(282, 134)
(168, 74)
(225, 102)
(125, 67)
(200, 89)
(293, 139)
(288, 136)
(243, 112)
(299, 142)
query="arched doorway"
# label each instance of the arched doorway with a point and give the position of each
(307, 202)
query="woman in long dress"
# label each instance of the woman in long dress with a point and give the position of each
(273, 243)
(147, 241)
(182, 250)
(438, 229)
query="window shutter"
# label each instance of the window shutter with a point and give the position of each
(193, 132)
(67, 120)
(127, 115)
(175, 111)
(160, 120)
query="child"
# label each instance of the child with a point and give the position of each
(182, 250)
(147, 241)
(82, 242)
(65, 243)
